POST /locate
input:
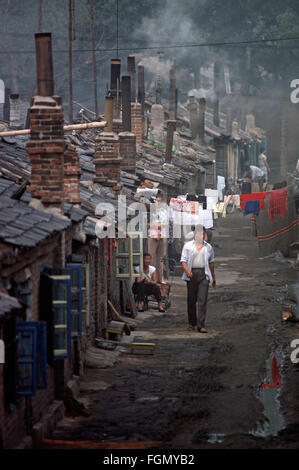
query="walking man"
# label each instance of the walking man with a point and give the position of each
(197, 260)
(263, 164)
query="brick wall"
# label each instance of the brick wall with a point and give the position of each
(137, 125)
(45, 148)
(107, 160)
(117, 126)
(71, 175)
(127, 151)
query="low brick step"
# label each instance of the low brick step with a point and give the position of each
(144, 348)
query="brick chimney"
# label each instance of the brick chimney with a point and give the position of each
(137, 124)
(127, 151)
(46, 144)
(72, 174)
(46, 148)
(107, 160)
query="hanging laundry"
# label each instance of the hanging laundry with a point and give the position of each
(232, 199)
(220, 186)
(211, 201)
(253, 197)
(246, 187)
(219, 210)
(252, 207)
(196, 198)
(277, 203)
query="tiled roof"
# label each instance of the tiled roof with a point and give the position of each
(22, 225)
(7, 303)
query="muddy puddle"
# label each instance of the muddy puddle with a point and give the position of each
(269, 396)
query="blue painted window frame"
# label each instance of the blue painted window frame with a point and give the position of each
(26, 329)
(41, 350)
(77, 267)
(55, 282)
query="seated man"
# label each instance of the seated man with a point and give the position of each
(146, 284)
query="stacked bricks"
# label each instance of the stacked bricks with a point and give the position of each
(137, 125)
(107, 160)
(46, 148)
(71, 175)
(117, 126)
(127, 151)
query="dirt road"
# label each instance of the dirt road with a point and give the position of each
(205, 390)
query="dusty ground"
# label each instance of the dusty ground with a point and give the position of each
(202, 391)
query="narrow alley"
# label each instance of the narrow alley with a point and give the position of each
(204, 390)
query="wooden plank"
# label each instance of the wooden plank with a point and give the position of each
(57, 444)
(131, 298)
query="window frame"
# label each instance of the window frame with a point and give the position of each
(130, 275)
(27, 329)
(76, 289)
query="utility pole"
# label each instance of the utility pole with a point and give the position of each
(94, 64)
(70, 39)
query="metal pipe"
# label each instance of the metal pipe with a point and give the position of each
(171, 127)
(94, 64)
(71, 127)
(44, 64)
(108, 113)
(126, 103)
(132, 74)
(141, 89)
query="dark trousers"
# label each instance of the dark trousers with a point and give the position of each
(197, 297)
(141, 289)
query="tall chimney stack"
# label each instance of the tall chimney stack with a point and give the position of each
(141, 87)
(46, 144)
(108, 113)
(192, 106)
(171, 127)
(44, 64)
(132, 74)
(126, 103)
(159, 81)
(115, 66)
(172, 88)
(201, 120)
(216, 91)
(107, 160)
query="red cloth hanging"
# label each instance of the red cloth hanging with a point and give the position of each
(277, 203)
(253, 197)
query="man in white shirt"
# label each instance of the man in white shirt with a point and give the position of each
(197, 260)
(257, 176)
(146, 284)
(263, 164)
